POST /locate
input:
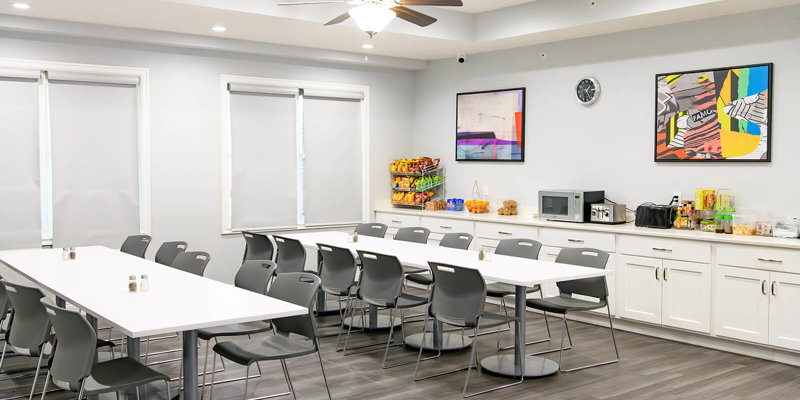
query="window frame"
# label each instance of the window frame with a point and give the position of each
(45, 162)
(226, 227)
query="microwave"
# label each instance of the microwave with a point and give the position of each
(568, 205)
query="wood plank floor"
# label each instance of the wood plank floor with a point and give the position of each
(650, 368)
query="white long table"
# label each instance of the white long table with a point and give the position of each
(97, 282)
(520, 272)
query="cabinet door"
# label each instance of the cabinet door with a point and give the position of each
(741, 304)
(784, 310)
(638, 288)
(686, 295)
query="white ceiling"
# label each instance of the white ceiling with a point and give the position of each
(480, 26)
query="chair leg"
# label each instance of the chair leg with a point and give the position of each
(324, 378)
(389, 339)
(475, 358)
(246, 380)
(205, 370)
(565, 328)
(288, 378)
(341, 326)
(36, 374)
(83, 387)
(44, 389)
(613, 338)
(213, 375)
(3, 356)
(169, 393)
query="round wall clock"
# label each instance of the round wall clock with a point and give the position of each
(587, 90)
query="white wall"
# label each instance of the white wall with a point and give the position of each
(185, 127)
(610, 145)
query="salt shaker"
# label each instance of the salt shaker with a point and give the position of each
(65, 254)
(132, 284)
(144, 284)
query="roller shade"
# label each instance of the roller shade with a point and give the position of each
(20, 205)
(94, 128)
(76, 77)
(240, 88)
(263, 161)
(333, 94)
(333, 180)
(19, 74)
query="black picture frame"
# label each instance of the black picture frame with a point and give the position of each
(522, 122)
(657, 125)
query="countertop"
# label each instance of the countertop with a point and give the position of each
(624, 229)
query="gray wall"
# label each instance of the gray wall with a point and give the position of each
(185, 128)
(610, 145)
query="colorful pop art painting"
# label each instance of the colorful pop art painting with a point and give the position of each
(714, 115)
(490, 126)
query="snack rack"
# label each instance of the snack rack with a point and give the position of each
(429, 183)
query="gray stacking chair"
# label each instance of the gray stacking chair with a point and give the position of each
(373, 229)
(414, 234)
(291, 255)
(381, 285)
(257, 247)
(294, 336)
(193, 262)
(523, 248)
(5, 305)
(168, 251)
(73, 367)
(338, 273)
(452, 240)
(136, 245)
(565, 302)
(458, 299)
(253, 275)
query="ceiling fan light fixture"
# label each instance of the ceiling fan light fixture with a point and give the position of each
(372, 18)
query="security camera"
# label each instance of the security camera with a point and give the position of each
(462, 58)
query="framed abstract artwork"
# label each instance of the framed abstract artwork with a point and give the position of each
(714, 114)
(490, 125)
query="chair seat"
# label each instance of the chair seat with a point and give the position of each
(341, 292)
(413, 270)
(499, 289)
(421, 279)
(489, 320)
(407, 301)
(118, 374)
(241, 329)
(563, 304)
(246, 352)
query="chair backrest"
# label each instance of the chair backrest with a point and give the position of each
(456, 240)
(416, 234)
(29, 327)
(524, 248)
(338, 270)
(136, 245)
(374, 229)
(168, 251)
(291, 255)
(254, 275)
(381, 281)
(459, 295)
(257, 247)
(73, 355)
(5, 303)
(585, 257)
(298, 288)
(193, 262)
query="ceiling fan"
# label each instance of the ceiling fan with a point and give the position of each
(373, 15)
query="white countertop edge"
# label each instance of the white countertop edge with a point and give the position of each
(624, 229)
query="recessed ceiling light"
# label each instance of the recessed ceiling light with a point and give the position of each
(367, 46)
(21, 6)
(219, 28)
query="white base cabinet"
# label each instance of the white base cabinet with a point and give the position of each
(667, 292)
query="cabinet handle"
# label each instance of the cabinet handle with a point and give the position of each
(575, 240)
(662, 249)
(504, 233)
(764, 287)
(665, 273)
(396, 221)
(445, 227)
(772, 288)
(551, 254)
(770, 260)
(657, 268)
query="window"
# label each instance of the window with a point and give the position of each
(79, 141)
(293, 154)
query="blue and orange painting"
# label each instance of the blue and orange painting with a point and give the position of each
(490, 126)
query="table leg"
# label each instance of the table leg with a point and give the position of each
(190, 365)
(133, 349)
(93, 322)
(439, 339)
(518, 363)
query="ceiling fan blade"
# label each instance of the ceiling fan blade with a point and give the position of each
(338, 19)
(415, 17)
(305, 3)
(450, 3)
